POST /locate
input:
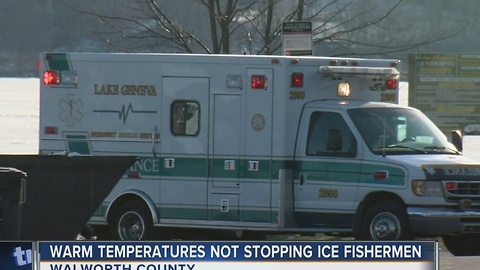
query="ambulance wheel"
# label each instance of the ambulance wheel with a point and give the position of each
(131, 221)
(87, 232)
(386, 221)
(101, 232)
(462, 245)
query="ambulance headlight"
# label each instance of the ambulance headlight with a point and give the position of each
(427, 188)
(343, 90)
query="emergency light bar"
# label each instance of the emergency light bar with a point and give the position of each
(54, 77)
(51, 77)
(259, 82)
(296, 79)
(391, 72)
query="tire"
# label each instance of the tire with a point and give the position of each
(386, 221)
(87, 232)
(131, 221)
(463, 245)
(101, 232)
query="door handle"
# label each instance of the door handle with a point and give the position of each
(301, 177)
(154, 133)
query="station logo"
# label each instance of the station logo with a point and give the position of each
(16, 255)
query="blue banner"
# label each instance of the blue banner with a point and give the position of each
(238, 251)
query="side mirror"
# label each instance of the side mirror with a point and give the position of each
(457, 139)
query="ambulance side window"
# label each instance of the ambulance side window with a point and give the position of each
(185, 118)
(329, 135)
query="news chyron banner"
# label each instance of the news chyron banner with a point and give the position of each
(17, 255)
(185, 255)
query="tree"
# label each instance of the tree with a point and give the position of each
(344, 27)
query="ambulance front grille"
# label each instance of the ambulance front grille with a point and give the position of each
(464, 190)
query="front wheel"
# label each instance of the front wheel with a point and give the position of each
(385, 221)
(131, 221)
(463, 245)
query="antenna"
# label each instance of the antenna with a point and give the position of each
(384, 137)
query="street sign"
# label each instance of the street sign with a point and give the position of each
(297, 38)
(446, 87)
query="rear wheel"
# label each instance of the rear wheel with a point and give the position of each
(131, 221)
(101, 232)
(386, 221)
(88, 232)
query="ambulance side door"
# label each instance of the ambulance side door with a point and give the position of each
(327, 170)
(183, 148)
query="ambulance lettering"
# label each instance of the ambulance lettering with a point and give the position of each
(126, 90)
(328, 193)
(462, 171)
(146, 165)
(106, 89)
(140, 90)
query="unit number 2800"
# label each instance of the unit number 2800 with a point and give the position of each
(328, 193)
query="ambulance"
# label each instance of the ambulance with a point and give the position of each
(258, 145)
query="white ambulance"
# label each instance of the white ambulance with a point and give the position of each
(259, 145)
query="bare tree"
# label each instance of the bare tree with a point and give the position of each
(377, 27)
(347, 27)
(360, 28)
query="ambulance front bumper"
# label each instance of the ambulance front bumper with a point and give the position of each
(443, 221)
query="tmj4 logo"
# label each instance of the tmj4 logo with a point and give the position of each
(22, 257)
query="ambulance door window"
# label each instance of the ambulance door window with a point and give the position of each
(329, 135)
(185, 118)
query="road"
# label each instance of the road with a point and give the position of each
(448, 261)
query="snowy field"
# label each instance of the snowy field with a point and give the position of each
(19, 115)
(471, 147)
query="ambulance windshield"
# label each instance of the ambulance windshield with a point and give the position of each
(398, 131)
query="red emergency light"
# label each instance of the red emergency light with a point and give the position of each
(259, 82)
(51, 130)
(391, 83)
(134, 174)
(296, 79)
(380, 175)
(450, 186)
(51, 77)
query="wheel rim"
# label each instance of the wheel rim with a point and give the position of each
(385, 226)
(131, 226)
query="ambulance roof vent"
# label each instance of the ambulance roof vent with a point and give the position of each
(385, 71)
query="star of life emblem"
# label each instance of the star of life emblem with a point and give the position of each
(430, 170)
(70, 110)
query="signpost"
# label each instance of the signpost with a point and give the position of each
(446, 87)
(297, 38)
